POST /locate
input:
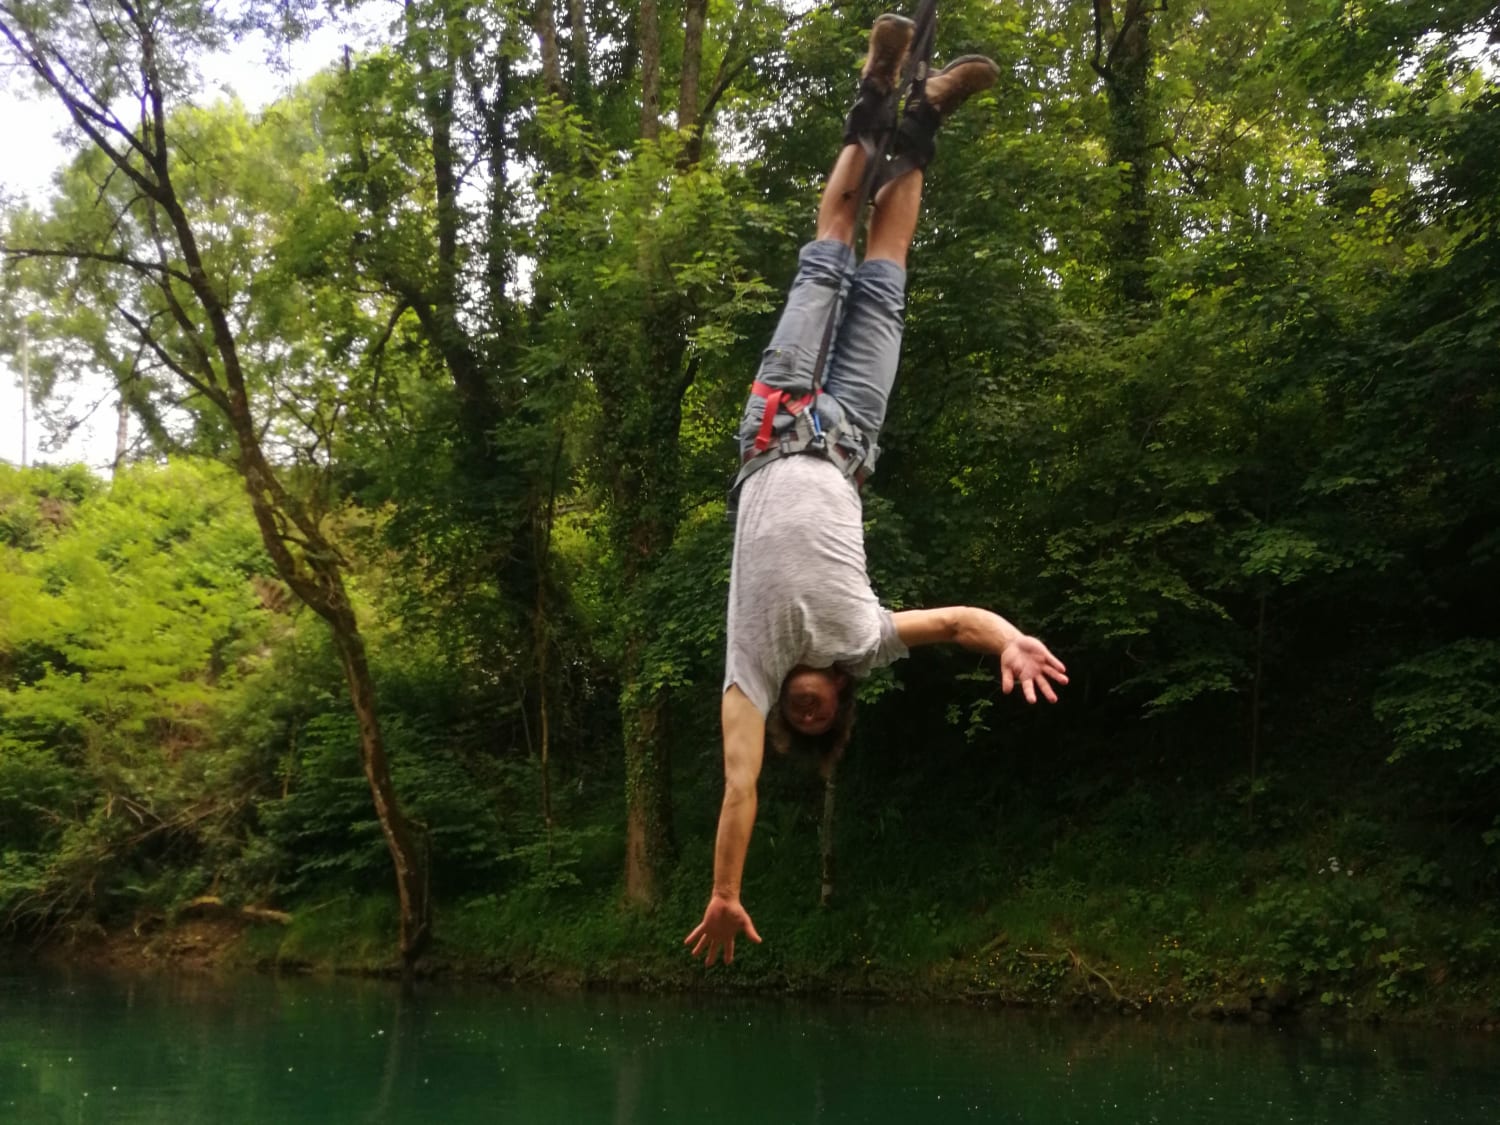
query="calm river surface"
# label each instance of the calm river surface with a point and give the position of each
(76, 1048)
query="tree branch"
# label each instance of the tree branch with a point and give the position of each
(722, 81)
(175, 306)
(86, 118)
(1103, 11)
(149, 268)
(148, 338)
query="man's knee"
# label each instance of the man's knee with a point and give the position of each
(880, 285)
(825, 261)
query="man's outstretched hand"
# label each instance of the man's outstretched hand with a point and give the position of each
(1028, 662)
(1023, 660)
(724, 919)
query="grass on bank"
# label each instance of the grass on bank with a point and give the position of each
(1124, 910)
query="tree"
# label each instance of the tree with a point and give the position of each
(153, 255)
(1122, 59)
(647, 264)
(643, 275)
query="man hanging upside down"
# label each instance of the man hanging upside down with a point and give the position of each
(803, 621)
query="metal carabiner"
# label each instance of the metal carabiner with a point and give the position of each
(818, 441)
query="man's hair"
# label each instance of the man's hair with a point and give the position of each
(827, 748)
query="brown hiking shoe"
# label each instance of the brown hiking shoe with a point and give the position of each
(890, 39)
(965, 76)
(944, 91)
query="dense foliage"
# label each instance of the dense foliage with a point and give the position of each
(1199, 384)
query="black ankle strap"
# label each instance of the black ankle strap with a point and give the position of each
(872, 114)
(915, 142)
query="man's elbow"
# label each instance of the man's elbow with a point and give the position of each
(739, 787)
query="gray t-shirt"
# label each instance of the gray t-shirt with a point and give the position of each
(798, 591)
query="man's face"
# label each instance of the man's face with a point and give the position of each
(810, 699)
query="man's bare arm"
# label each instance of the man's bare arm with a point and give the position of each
(744, 748)
(978, 629)
(1023, 660)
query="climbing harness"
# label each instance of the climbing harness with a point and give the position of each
(843, 444)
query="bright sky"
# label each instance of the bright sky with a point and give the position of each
(37, 145)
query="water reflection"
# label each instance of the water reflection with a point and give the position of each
(200, 1049)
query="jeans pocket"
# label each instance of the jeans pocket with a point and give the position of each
(787, 367)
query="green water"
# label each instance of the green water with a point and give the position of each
(183, 1050)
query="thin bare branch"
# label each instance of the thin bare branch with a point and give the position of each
(93, 124)
(149, 338)
(152, 269)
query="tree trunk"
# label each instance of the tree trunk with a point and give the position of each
(316, 577)
(647, 491)
(122, 433)
(546, 33)
(731, 64)
(694, 17)
(825, 834)
(578, 52)
(408, 858)
(1122, 58)
(318, 581)
(25, 392)
(648, 796)
(541, 642)
(441, 318)
(314, 574)
(1255, 705)
(649, 38)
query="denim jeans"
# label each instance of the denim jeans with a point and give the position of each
(863, 355)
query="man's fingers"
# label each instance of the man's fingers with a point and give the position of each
(729, 952)
(1033, 666)
(697, 933)
(702, 941)
(750, 930)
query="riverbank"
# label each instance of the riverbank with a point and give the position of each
(351, 937)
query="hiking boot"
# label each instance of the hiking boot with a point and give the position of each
(964, 77)
(890, 39)
(944, 91)
(874, 110)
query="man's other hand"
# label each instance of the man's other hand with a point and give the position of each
(724, 919)
(1026, 661)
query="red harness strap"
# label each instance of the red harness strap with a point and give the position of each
(776, 401)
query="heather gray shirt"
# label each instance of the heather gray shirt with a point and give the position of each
(798, 591)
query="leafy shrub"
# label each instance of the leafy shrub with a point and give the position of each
(1446, 705)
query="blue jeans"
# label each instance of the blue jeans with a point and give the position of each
(864, 352)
